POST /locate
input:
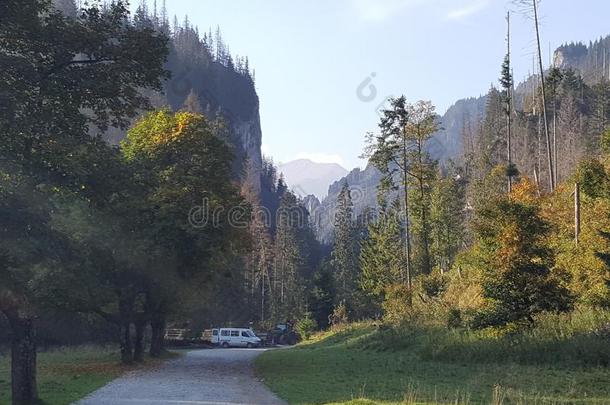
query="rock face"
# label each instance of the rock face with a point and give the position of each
(591, 61)
(220, 89)
(447, 143)
(569, 55)
(249, 136)
(306, 177)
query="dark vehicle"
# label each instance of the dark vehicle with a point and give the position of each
(283, 334)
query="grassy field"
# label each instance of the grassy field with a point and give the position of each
(67, 375)
(361, 365)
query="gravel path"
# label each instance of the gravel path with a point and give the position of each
(206, 377)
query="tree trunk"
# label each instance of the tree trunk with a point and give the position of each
(576, 213)
(509, 96)
(23, 360)
(426, 267)
(544, 106)
(126, 344)
(405, 183)
(158, 333)
(126, 317)
(138, 349)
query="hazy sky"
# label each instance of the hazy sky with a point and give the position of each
(311, 56)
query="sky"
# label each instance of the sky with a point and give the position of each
(324, 68)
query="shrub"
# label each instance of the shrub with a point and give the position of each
(398, 306)
(454, 319)
(339, 315)
(306, 326)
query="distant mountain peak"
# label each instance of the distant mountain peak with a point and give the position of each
(306, 177)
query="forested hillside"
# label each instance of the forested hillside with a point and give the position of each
(205, 78)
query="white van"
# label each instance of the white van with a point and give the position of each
(238, 337)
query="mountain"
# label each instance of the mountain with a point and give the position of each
(447, 143)
(306, 177)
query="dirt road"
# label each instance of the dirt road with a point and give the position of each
(206, 377)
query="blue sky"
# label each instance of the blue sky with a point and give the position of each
(311, 56)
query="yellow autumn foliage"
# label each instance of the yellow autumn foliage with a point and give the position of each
(525, 191)
(158, 129)
(589, 275)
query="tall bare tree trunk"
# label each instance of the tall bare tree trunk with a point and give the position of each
(544, 107)
(576, 213)
(424, 217)
(405, 181)
(556, 170)
(509, 110)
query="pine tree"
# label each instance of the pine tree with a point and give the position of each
(220, 54)
(288, 288)
(323, 295)
(345, 249)
(389, 153)
(601, 107)
(175, 26)
(141, 18)
(164, 20)
(382, 257)
(519, 279)
(506, 81)
(447, 220)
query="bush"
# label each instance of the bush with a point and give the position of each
(398, 304)
(593, 179)
(434, 285)
(454, 319)
(306, 327)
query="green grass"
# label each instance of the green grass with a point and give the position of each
(66, 375)
(362, 365)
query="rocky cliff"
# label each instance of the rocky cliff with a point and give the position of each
(221, 88)
(592, 61)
